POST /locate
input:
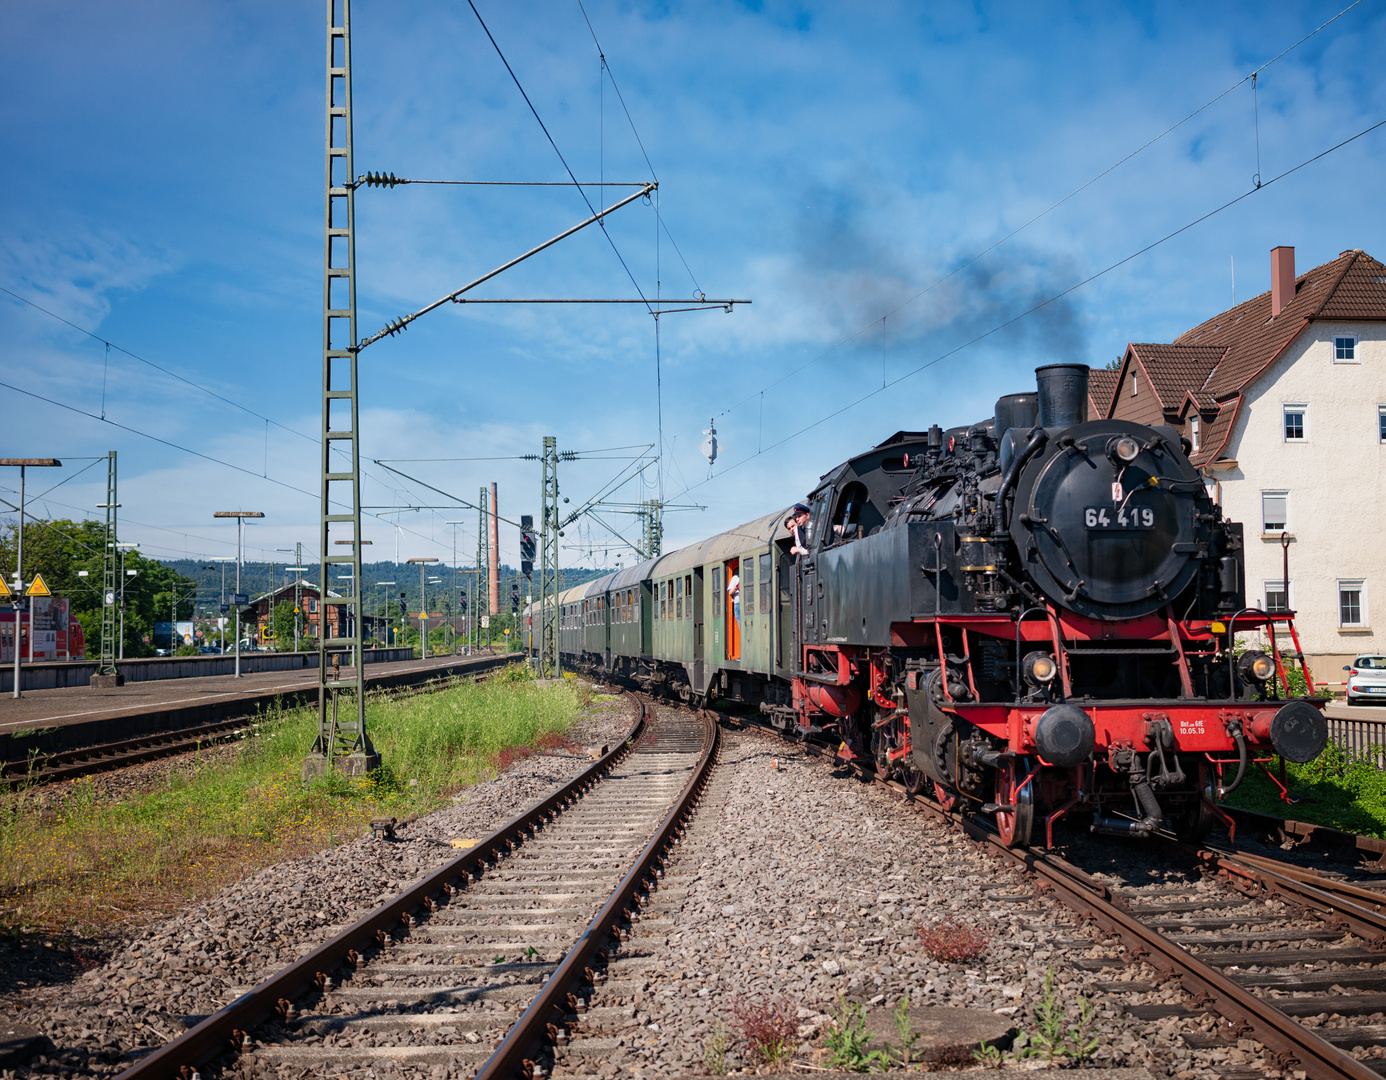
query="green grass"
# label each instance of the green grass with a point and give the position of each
(1347, 794)
(236, 809)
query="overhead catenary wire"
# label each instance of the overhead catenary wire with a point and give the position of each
(1249, 77)
(1042, 304)
(109, 345)
(166, 442)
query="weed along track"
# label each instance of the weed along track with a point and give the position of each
(482, 964)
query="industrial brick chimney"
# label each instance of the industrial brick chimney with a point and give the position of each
(1282, 278)
(493, 547)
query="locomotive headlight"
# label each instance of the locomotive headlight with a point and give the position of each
(1039, 668)
(1124, 449)
(1255, 666)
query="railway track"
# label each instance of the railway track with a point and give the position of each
(1287, 955)
(103, 757)
(486, 962)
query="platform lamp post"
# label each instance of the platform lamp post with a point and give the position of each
(432, 581)
(223, 607)
(355, 609)
(23, 463)
(125, 576)
(456, 574)
(299, 571)
(423, 605)
(238, 598)
(384, 608)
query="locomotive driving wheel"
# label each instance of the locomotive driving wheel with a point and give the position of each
(1015, 815)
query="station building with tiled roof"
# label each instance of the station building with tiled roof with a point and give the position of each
(1283, 398)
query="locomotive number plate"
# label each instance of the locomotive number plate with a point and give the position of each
(1111, 517)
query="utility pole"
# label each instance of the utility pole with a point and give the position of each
(238, 598)
(423, 605)
(483, 572)
(107, 674)
(456, 577)
(125, 577)
(23, 464)
(341, 419)
(549, 532)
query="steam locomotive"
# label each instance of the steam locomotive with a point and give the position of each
(1034, 616)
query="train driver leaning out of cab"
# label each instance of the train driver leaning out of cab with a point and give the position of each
(734, 594)
(798, 519)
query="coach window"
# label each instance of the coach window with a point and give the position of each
(1352, 604)
(765, 581)
(1275, 511)
(748, 585)
(688, 592)
(678, 598)
(717, 592)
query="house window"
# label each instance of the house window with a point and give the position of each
(1275, 511)
(1277, 597)
(1352, 603)
(1135, 385)
(1296, 417)
(1345, 349)
(1193, 432)
(1381, 423)
(312, 606)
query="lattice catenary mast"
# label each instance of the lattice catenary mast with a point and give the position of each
(341, 733)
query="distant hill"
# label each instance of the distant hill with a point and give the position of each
(258, 578)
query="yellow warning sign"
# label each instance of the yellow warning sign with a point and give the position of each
(37, 587)
(4, 589)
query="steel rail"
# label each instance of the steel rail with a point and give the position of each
(550, 1009)
(1206, 985)
(228, 1027)
(103, 757)
(1361, 909)
(108, 756)
(1279, 1033)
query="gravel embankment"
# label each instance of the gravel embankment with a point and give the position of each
(174, 972)
(805, 887)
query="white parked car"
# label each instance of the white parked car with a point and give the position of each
(1366, 680)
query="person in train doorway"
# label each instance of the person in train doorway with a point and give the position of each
(734, 594)
(796, 522)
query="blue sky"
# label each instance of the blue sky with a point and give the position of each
(163, 189)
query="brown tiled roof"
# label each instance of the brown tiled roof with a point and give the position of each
(1214, 438)
(1102, 385)
(1217, 359)
(1342, 289)
(1173, 370)
(1361, 294)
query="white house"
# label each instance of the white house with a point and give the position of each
(1284, 400)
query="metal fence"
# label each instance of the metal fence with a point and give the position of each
(1363, 739)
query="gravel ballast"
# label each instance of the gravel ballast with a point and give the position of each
(175, 972)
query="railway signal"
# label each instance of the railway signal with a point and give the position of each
(527, 544)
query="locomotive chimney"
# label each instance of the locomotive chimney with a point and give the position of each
(1015, 411)
(1063, 395)
(1282, 278)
